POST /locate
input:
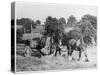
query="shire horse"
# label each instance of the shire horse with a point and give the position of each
(76, 45)
(73, 44)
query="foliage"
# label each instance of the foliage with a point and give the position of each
(74, 34)
(91, 19)
(88, 28)
(19, 35)
(72, 21)
(62, 21)
(50, 26)
(87, 40)
(26, 23)
(54, 28)
(37, 22)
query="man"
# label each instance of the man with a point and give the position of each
(58, 50)
(27, 49)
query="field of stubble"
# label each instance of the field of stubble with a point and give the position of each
(51, 62)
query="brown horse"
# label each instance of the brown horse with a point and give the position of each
(76, 45)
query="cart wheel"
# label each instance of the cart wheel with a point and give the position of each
(27, 51)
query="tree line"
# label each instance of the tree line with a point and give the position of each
(86, 27)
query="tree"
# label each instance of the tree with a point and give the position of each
(62, 23)
(87, 30)
(50, 26)
(54, 26)
(33, 24)
(37, 22)
(19, 34)
(71, 21)
(26, 23)
(62, 20)
(91, 19)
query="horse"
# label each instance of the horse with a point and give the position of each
(76, 45)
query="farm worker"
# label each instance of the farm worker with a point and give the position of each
(27, 49)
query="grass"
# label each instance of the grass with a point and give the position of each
(51, 62)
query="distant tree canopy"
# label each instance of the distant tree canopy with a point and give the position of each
(62, 21)
(28, 23)
(37, 22)
(71, 21)
(19, 34)
(88, 26)
(50, 25)
(85, 28)
(54, 26)
(23, 21)
(91, 19)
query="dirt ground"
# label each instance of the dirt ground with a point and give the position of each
(51, 62)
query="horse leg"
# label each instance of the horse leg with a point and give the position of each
(70, 57)
(56, 53)
(59, 51)
(79, 55)
(50, 50)
(86, 57)
(70, 54)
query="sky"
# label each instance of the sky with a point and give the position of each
(41, 11)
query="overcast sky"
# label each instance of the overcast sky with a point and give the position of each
(41, 11)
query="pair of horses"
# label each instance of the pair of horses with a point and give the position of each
(71, 45)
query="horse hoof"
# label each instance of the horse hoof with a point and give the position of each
(73, 59)
(78, 59)
(86, 60)
(63, 55)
